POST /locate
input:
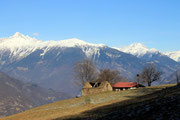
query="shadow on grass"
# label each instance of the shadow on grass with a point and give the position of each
(134, 108)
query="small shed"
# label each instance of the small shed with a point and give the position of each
(93, 88)
(106, 86)
(125, 85)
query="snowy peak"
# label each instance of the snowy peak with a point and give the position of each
(174, 55)
(138, 46)
(21, 37)
(18, 45)
(137, 49)
(18, 40)
(18, 34)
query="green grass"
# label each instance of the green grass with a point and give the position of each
(72, 108)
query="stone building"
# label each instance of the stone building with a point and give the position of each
(93, 88)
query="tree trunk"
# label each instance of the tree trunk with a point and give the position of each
(149, 83)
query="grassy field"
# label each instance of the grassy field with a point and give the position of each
(71, 108)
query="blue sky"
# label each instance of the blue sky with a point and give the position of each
(155, 23)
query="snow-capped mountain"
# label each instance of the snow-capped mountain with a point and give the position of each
(162, 61)
(21, 46)
(174, 55)
(18, 45)
(137, 49)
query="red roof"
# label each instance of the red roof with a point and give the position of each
(125, 84)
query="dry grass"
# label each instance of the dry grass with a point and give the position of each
(77, 106)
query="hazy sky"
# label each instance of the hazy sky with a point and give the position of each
(155, 23)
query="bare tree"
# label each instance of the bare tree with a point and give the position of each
(85, 70)
(110, 76)
(150, 74)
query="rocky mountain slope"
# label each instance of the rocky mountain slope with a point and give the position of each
(17, 96)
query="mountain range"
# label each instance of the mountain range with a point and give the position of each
(50, 64)
(139, 50)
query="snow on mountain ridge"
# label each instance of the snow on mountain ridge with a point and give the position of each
(137, 49)
(70, 43)
(18, 34)
(21, 46)
(19, 40)
(88, 48)
(174, 55)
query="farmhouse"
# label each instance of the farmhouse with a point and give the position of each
(93, 88)
(125, 85)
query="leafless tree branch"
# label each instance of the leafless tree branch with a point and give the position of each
(85, 70)
(150, 74)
